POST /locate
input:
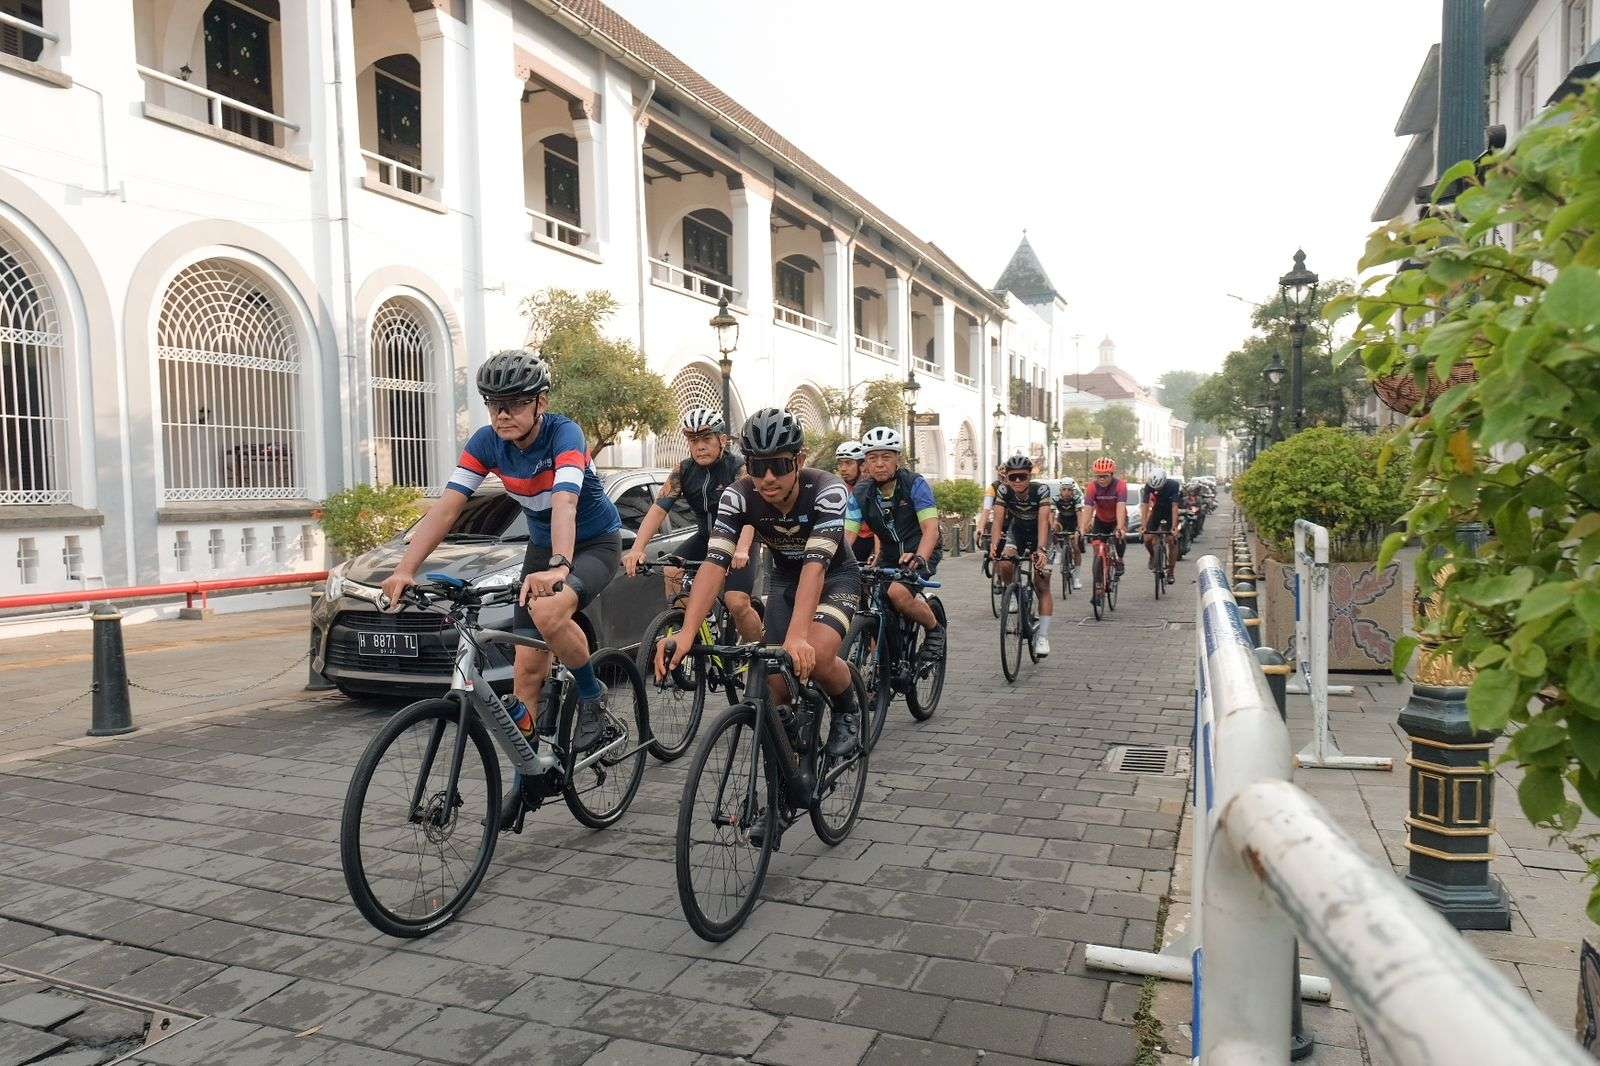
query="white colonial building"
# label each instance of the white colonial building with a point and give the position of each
(1109, 385)
(252, 251)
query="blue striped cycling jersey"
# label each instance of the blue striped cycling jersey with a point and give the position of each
(557, 461)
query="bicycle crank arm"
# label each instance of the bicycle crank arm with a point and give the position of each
(600, 753)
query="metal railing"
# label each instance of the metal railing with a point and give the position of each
(788, 316)
(32, 29)
(1269, 863)
(675, 277)
(927, 366)
(868, 346)
(389, 172)
(215, 101)
(966, 379)
(550, 228)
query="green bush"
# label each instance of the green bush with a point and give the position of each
(1330, 477)
(961, 498)
(359, 519)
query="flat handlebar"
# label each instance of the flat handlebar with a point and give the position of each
(895, 573)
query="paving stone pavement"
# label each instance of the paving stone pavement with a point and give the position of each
(197, 865)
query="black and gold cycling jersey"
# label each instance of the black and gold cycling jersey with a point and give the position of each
(811, 532)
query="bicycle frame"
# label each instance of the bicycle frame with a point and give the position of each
(893, 626)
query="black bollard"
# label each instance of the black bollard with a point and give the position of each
(1252, 625)
(1277, 670)
(113, 711)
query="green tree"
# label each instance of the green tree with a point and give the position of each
(853, 411)
(1176, 388)
(602, 384)
(1119, 437)
(1506, 280)
(1078, 424)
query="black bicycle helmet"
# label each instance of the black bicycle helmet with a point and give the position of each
(770, 431)
(513, 372)
(1019, 461)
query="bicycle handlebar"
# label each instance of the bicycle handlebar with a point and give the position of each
(895, 573)
(734, 651)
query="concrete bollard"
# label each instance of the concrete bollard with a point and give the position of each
(113, 710)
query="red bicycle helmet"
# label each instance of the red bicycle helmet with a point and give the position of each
(1104, 465)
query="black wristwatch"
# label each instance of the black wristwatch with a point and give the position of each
(558, 560)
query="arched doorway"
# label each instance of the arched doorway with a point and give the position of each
(33, 444)
(405, 381)
(805, 403)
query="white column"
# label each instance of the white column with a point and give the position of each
(898, 334)
(835, 305)
(944, 336)
(445, 68)
(975, 352)
(751, 254)
(586, 131)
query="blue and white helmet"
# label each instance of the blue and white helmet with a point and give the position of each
(1157, 479)
(882, 439)
(702, 419)
(850, 449)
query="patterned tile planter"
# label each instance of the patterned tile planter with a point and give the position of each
(1368, 608)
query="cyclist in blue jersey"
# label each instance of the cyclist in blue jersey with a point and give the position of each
(573, 527)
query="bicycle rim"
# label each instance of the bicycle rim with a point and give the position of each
(1161, 568)
(1028, 622)
(929, 678)
(677, 703)
(1010, 635)
(834, 813)
(409, 877)
(599, 794)
(720, 871)
(1099, 597)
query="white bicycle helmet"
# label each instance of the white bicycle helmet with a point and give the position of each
(1068, 483)
(851, 450)
(701, 419)
(1157, 479)
(882, 439)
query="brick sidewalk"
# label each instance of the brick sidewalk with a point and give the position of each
(950, 926)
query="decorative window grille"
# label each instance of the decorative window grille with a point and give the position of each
(247, 543)
(693, 387)
(218, 548)
(404, 390)
(707, 235)
(72, 557)
(230, 388)
(180, 551)
(18, 42)
(33, 446)
(561, 184)
(804, 406)
(280, 546)
(28, 560)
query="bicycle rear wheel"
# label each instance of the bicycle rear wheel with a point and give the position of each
(1161, 566)
(599, 794)
(1029, 621)
(1098, 597)
(677, 702)
(861, 652)
(927, 678)
(412, 868)
(1011, 633)
(1066, 569)
(996, 591)
(726, 822)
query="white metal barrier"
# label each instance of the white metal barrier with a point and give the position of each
(1311, 654)
(1269, 862)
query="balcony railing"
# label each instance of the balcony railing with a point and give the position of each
(927, 366)
(215, 101)
(876, 348)
(675, 277)
(398, 175)
(549, 228)
(966, 379)
(788, 316)
(32, 29)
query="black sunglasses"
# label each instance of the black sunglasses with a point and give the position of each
(762, 465)
(1018, 477)
(509, 405)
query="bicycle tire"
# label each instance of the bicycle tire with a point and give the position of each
(678, 705)
(1113, 582)
(620, 676)
(1011, 635)
(447, 713)
(879, 693)
(1161, 566)
(1066, 569)
(855, 774)
(1099, 598)
(740, 722)
(1029, 624)
(922, 703)
(996, 591)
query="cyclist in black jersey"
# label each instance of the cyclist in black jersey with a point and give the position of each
(848, 459)
(1068, 501)
(1022, 524)
(699, 482)
(798, 513)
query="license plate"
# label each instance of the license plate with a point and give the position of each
(396, 644)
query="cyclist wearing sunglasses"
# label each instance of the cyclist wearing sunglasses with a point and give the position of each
(848, 459)
(898, 507)
(573, 540)
(1105, 505)
(699, 482)
(1022, 524)
(798, 513)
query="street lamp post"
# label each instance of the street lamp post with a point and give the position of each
(908, 392)
(1274, 376)
(999, 419)
(1051, 435)
(727, 330)
(1298, 291)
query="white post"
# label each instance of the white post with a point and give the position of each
(1303, 569)
(586, 131)
(898, 333)
(944, 336)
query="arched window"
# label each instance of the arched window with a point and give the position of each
(707, 235)
(695, 386)
(405, 383)
(33, 450)
(789, 281)
(397, 86)
(230, 388)
(805, 406)
(239, 61)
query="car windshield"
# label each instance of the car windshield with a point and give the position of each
(488, 516)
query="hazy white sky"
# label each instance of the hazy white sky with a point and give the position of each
(1160, 154)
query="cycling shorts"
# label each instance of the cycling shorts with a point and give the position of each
(841, 595)
(1068, 523)
(1022, 536)
(1159, 524)
(594, 564)
(694, 550)
(1102, 526)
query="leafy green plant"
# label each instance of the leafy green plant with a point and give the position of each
(1328, 476)
(959, 498)
(1507, 279)
(361, 518)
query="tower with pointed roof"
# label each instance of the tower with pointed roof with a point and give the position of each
(1024, 276)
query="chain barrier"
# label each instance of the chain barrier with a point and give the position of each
(13, 727)
(218, 695)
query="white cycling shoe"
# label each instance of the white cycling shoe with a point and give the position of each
(1041, 646)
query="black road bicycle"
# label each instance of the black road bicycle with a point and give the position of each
(760, 765)
(886, 648)
(1161, 550)
(1017, 618)
(678, 702)
(424, 807)
(1066, 557)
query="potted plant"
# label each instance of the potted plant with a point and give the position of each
(1332, 477)
(958, 502)
(361, 518)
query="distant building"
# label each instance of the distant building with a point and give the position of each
(1035, 343)
(1107, 385)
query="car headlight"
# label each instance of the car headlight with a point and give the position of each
(335, 586)
(507, 578)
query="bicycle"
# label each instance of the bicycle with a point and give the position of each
(680, 699)
(1160, 557)
(1017, 619)
(885, 647)
(1067, 553)
(760, 765)
(401, 813)
(1104, 572)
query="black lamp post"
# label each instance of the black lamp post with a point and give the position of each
(727, 329)
(1051, 434)
(1274, 376)
(999, 416)
(1298, 291)
(908, 392)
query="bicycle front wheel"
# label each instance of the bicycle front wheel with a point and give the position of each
(726, 822)
(678, 701)
(599, 794)
(1161, 566)
(862, 652)
(927, 679)
(1098, 598)
(1012, 633)
(413, 847)
(996, 591)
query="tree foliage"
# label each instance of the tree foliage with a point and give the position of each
(365, 516)
(853, 411)
(600, 383)
(1327, 476)
(1507, 278)
(1118, 429)
(959, 497)
(1176, 388)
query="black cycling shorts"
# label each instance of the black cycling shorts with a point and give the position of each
(1159, 524)
(1024, 538)
(744, 580)
(841, 595)
(594, 564)
(1068, 523)
(1101, 526)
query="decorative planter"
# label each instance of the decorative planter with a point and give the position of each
(1587, 1021)
(1368, 608)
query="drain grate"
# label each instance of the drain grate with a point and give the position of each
(1133, 759)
